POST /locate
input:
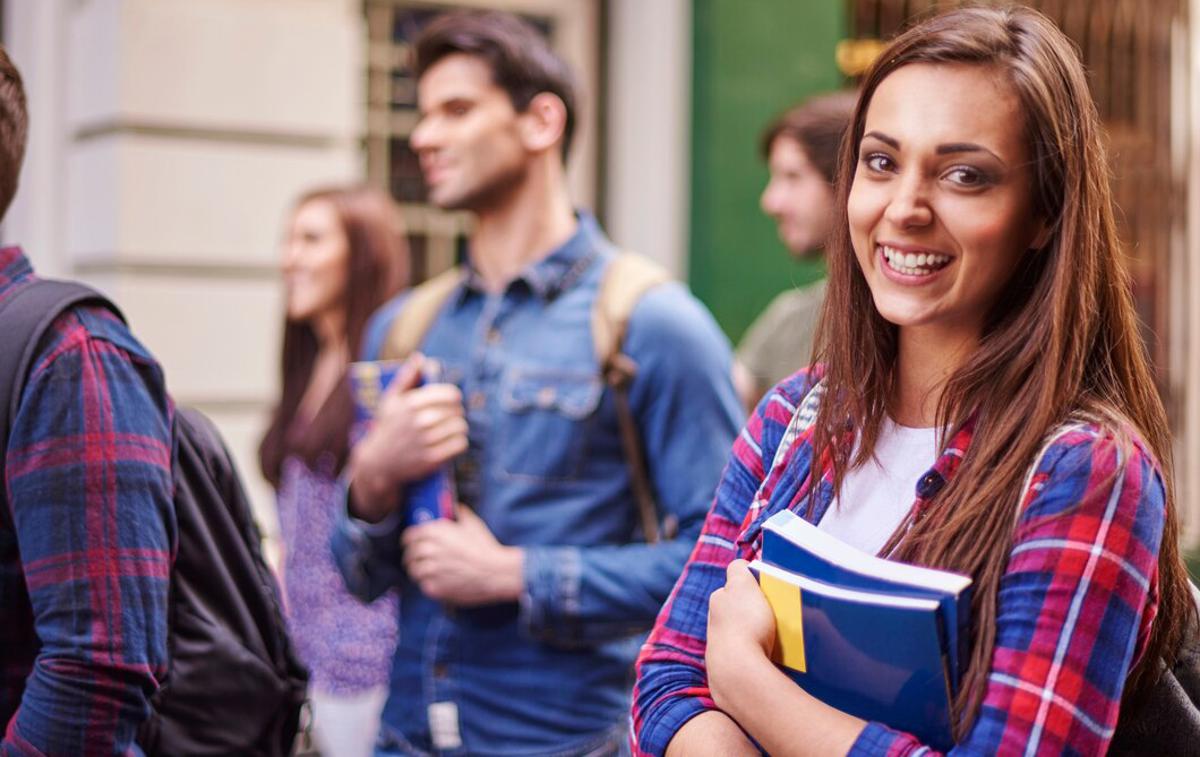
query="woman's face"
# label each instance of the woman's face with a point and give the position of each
(315, 257)
(941, 209)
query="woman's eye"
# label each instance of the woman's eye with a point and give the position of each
(965, 176)
(878, 162)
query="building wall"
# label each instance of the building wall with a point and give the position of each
(648, 127)
(168, 139)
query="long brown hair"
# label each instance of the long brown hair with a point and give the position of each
(377, 267)
(1061, 339)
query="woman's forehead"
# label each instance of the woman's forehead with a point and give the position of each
(923, 105)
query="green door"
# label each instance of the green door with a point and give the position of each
(752, 59)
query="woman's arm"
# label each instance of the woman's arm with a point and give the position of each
(672, 688)
(1077, 598)
(711, 734)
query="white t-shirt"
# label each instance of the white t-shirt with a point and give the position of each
(877, 496)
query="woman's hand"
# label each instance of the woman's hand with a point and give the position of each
(741, 637)
(751, 690)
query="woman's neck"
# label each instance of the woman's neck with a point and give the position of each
(925, 362)
(330, 329)
(333, 355)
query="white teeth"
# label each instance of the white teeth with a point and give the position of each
(913, 264)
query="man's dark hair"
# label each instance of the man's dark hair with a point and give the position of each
(818, 124)
(14, 125)
(522, 63)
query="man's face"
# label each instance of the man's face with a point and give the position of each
(797, 197)
(469, 138)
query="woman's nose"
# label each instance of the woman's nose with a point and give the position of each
(909, 206)
(290, 257)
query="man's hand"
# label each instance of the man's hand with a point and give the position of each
(461, 563)
(416, 430)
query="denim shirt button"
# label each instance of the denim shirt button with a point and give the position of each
(546, 396)
(477, 400)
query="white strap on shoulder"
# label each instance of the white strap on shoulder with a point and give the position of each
(802, 420)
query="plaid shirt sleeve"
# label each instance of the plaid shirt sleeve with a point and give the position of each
(672, 687)
(1075, 604)
(90, 495)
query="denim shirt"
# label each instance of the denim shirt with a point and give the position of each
(545, 470)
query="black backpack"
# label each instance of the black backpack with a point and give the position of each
(234, 684)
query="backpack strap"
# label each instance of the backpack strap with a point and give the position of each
(25, 317)
(418, 312)
(626, 279)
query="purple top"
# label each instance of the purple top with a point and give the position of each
(346, 644)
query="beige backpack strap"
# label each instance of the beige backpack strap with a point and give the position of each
(625, 280)
(418, 312)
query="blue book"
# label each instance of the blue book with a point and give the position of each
(874, 655)
(792, 543)
(428, 498)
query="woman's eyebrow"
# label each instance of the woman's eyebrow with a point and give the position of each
(953, 147)
(889, 141)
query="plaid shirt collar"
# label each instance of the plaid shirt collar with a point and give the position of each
(14, 268)
(779, 490)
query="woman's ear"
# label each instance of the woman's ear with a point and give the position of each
(544, 122)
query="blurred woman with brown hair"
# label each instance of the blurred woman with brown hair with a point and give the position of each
(344, 255)
(983, 404)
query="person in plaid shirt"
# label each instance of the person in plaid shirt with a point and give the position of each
(87, 526)
(980, 325)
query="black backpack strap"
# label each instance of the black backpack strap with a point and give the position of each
(24, 318)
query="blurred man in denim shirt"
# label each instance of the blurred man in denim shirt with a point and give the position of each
(521, 618)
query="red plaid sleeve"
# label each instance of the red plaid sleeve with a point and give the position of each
(671, 683)
(89, 481)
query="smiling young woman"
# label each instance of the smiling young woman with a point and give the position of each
(978, 322)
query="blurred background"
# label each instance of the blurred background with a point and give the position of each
(169, 138)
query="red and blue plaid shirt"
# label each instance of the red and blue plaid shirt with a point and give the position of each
(1075, 604)
(86, 538)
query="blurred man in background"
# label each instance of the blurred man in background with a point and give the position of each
(801, 150)
(521, 618)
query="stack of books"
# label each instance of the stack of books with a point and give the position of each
(877, 639)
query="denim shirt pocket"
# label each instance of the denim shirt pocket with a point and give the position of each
(546, 415)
